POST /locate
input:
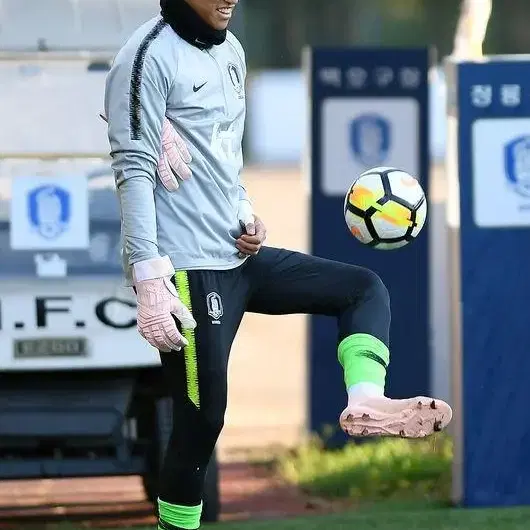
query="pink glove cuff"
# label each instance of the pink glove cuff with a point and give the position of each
(150, 269)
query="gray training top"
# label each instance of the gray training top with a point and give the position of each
(202, 93)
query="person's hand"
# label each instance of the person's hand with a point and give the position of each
(157, 303)
(255, 233)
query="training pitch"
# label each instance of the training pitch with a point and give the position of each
(387, 519)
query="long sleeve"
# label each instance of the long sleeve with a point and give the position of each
(243, 194)
(135, 104)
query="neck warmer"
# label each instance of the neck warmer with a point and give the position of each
(186, 23)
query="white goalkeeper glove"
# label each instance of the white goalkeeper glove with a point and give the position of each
(174, 161)
(157, 301)
(175, 158)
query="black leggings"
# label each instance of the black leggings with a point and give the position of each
(275, 282)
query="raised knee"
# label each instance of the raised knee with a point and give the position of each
(372, 286)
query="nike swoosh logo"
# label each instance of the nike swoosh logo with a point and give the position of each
(197, 88)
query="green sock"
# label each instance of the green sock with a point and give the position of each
(185, 517)
(364, 359)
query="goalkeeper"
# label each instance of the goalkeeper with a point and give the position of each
(194, 249)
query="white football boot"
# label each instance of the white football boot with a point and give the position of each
(381, 416)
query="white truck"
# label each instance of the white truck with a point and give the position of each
(81, 393)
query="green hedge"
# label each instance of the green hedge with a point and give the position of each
(384, 469)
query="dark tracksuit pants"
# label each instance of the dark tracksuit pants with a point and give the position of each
(274, 282)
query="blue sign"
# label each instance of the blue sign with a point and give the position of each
(49, 210)
(370, 139)
(490, 233)
(369, 108)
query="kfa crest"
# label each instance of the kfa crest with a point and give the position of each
(517, 164)
(49, 210)
(236, 78)
(215, 307)
(370, 139)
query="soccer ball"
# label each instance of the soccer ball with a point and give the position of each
(385, 208)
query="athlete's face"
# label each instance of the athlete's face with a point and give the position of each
(216, 13)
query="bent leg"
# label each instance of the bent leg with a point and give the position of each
(292, 282)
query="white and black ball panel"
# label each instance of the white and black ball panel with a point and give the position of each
(362, 193)
(386, 229)
(373, 182)
(390, 246)
(421, 217)
(358, 227)
(379, 170)
(405, 187)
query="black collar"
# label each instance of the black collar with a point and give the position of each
(189, 25)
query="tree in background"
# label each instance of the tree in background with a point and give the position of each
(276, 31)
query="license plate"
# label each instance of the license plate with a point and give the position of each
(50, 347)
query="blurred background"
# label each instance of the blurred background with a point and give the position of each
(54, 55)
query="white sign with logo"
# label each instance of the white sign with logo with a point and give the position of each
(362, 133)
(41, 321)
(49, 213)
(501, 172)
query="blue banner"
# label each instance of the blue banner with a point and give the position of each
(490, 226)
(368, 108)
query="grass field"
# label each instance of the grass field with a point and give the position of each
(388, 484)
(395, 518)
(399, 519)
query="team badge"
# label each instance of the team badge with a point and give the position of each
(370, 139)
(235, 78)
(215, 307)
(49, 210)
(517, 164)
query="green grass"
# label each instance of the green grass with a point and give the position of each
(398, 519)
(418, 470)
(389, 484)
(395, 518)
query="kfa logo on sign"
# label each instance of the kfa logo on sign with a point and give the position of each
(370, 139)
(517, 164)
(49, 210)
